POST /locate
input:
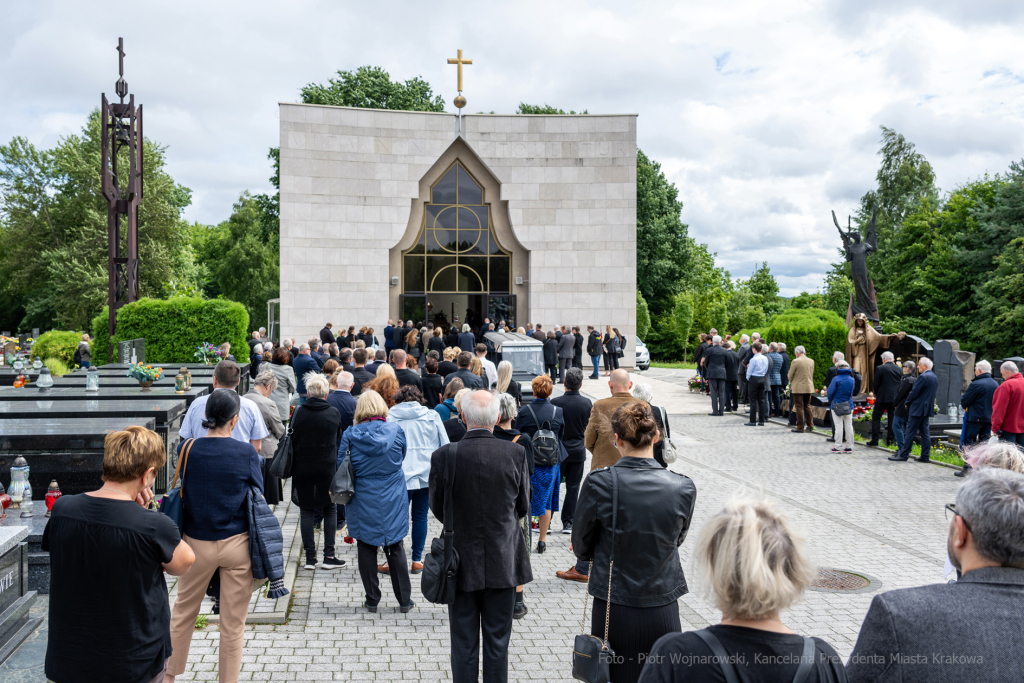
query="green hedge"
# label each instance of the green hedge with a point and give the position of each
(59, 345)
(820, 332)
(173, 328)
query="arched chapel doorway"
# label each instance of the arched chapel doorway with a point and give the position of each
(459, 260)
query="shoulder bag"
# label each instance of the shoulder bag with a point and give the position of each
(724, 659)
(343, 486)
(668, 450)
(173, 504)
(545, 442)
(281, 465)
(441, 566)
(844, 408)
(592, 656)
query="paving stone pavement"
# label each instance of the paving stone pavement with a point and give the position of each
(858, 512)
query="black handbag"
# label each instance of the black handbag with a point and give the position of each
(343, 486)
(441, 566)
(843, 408)
(173, 504)
(281, 465)
(592, 656)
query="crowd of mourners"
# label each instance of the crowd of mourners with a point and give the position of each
(432, 424)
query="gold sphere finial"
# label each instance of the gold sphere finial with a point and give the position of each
(460, 101)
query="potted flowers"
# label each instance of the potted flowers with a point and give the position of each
(207, 353)
(146, 374)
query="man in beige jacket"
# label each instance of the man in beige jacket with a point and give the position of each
(599, 439)
(801, 386)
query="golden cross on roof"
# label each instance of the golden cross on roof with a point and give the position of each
(460, 61)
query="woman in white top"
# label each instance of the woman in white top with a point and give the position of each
(281, 365)
(424, 434)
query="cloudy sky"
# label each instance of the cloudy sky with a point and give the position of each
(765, 115)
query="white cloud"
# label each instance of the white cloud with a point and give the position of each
(765, 115)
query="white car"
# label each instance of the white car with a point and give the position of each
(643, 356)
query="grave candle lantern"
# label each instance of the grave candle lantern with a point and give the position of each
(19, 484)
(52, 494)
(92, 379)
(179, 382)
(45, 381)
(37, 364)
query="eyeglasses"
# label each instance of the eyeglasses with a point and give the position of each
(951, 507)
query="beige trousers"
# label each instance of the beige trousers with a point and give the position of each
(231, 556)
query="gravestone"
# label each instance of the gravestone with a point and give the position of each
(16, 598)
(35, 333)
(131, 351)
(955, 369)
(911, 348)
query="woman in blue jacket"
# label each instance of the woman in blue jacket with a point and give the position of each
(840, 391)
(378, 515)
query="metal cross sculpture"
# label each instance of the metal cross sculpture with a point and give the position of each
(121, 144)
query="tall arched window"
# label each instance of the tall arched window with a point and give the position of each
(456, 251)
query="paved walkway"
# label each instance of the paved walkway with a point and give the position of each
(858, 512)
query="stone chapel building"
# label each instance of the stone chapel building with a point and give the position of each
(418, 216)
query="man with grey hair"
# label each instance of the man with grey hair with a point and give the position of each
(715, 373)
(920, 408)
(970, 630)
(303, 364)
(886, 382)
(801, 386)
(743, 354)
(1008, 405)
(489, 493)
(977, 405)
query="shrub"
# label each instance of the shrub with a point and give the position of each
(643, 316)
(57, 367)
(174, 327)
(820, 332)
(59, 345)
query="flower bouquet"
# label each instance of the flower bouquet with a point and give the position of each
(207, 353)
(146, 374)
(696, 383)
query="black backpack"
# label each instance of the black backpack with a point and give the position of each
(545, 442)
(78, 355)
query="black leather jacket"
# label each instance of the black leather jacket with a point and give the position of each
(654, 514)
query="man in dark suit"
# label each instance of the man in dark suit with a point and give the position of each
(715, 372)
(389, 337)
(398, 336)
(360, 374)
(489, 494)
(381, 358)
(405, 375)
(576, 415)
(968, 630)
(467, 340)
(886, 383)
(977, 401)
(921, 405)
(594, 350)
(342, 399)
(732, 364)
(469, 380)
(577, 349)
(566, 344)
(327, 336)
(743, 356)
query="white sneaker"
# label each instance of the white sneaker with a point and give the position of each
(309, 566)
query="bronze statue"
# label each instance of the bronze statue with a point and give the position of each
(863, 344)
(857, 254)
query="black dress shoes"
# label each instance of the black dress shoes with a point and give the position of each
(896, 458)
(919, 459)
(750, 424)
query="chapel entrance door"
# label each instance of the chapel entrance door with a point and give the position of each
(457, 272)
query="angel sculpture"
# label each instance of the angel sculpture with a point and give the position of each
(857, 254)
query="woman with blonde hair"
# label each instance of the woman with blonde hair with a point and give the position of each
(477, 368)
(754, 563)
(630, 521)
(378, 515)
(611, 351)
(412, 343)
(436, 341)
(507, 385)
(385, 383)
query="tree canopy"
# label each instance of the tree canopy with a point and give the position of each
(543, 109)
(371, 87)
(53, 231)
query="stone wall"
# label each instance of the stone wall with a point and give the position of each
(349, 178)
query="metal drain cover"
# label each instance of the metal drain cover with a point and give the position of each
(842, 581)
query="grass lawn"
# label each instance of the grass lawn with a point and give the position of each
(673, 365)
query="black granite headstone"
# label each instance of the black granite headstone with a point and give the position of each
(954, 369)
